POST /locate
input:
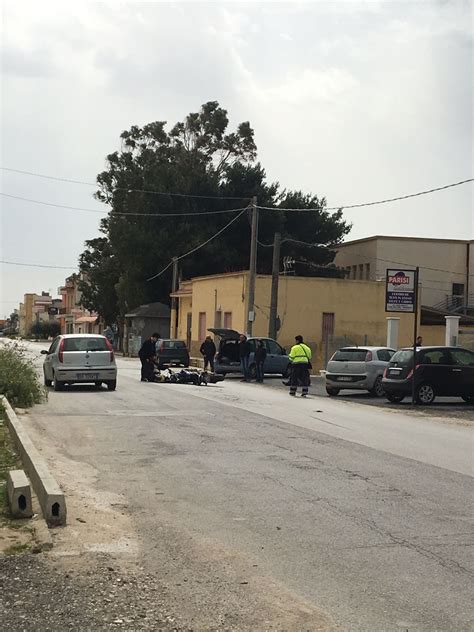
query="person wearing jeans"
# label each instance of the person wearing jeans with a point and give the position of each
(260, 355)
(245, 349)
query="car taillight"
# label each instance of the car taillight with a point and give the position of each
(368, 357)
(111, 349)
(411, 372)
(61, 351)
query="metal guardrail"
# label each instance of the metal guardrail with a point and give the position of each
(455, 304)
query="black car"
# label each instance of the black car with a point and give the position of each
(171, 352)
(445, 371)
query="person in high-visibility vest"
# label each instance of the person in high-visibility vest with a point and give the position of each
(300, 358)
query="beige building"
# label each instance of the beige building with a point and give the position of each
(34, 309)
(329, 313)
(446, 266)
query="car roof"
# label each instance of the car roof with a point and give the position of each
(434, 347)
(365, 348)
(82, 336)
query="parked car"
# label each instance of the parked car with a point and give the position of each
(445, 371)
(228, 360)
(80, 358)
(170, 352)
(359, 368)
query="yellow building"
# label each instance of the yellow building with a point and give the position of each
(329, 313)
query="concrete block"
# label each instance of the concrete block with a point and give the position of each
(50, 496)
(19, 494)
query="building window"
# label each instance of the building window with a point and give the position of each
(361, 271)
(328, 325)
(354, 272)
(367, 271)
(458, 289)
(227, 320)
(202, 325)
(218, 319)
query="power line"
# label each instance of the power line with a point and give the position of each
(200, 245)
(129, 190)
(115, 214)
(346, 206)
(37, 265)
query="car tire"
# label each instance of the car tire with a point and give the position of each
(253, 371)
(286, 372)
(46, 381)
(395, 398)
(377, 389)
(58, 385)
(425, 394)
(112, 385)
(332, 391)
(469, 399)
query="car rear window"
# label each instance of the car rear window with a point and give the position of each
(173, 344)
(350, 355)
(85, 344)
(402, 358)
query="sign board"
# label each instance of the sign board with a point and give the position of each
(400, 291)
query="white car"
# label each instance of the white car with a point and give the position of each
(80, 358)
(359, 368)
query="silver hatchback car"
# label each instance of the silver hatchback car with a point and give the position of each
(358, 368)
(80, 358)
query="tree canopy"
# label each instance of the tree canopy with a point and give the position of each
(158, 178)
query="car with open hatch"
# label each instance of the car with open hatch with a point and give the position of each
(359, 368)
(443, 371)
(227, 358)
(80, 359)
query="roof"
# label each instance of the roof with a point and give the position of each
(150, 310)
(399, 237)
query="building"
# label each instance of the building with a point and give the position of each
(328, 312)
(446, 266)
(143, 321)
(73, 318)
(35, 308)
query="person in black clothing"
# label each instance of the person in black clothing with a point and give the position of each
(245, 349)
(208, 351)
(260, 355)
(147, 355)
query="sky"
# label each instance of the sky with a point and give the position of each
(354, 101)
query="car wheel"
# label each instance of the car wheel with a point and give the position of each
(112, 385)
(58, 385)
(395, 398)
(253, 371)
(332, 392)
(377, 389)
(469, 399)
(286, 372)
(46, 381)
(425, 394)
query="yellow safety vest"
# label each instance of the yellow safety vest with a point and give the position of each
(300, 354)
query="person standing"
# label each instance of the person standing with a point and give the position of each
(260, 355)
(419, 341)
(245, 349)
(208, 351)
(300, 358)
(147, 355)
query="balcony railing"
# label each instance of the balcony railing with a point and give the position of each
(456, 304)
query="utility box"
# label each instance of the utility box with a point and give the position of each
(19, 494)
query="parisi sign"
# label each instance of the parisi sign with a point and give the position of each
(400, 291)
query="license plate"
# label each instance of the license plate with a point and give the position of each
(343, 378)
(87, 376)
(394, 372)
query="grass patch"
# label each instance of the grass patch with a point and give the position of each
(18, 378)
(8, 461)
(17, 549)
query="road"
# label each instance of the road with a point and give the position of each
(255, 511)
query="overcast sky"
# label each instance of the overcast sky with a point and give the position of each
(355, 101)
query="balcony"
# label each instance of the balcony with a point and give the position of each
(456, 304)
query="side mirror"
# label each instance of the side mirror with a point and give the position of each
(44, 352)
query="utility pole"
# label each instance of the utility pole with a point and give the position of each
(253, 266)
(272, 325)
(174, 300)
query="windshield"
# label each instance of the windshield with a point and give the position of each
(402, 357)
(85, 344)
(350, 355)
(173, 344)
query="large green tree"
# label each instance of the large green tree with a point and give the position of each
(212, 169)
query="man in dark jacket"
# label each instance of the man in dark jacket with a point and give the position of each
(208, 351)
(245, 349)
(147, 355)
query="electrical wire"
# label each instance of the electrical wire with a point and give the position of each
(130, 190)
(115, 214)
(190, 252)
(36, 265)
(349, 206)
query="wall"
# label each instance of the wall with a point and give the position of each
(449, 255)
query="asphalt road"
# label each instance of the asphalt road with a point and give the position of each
(255, 511)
